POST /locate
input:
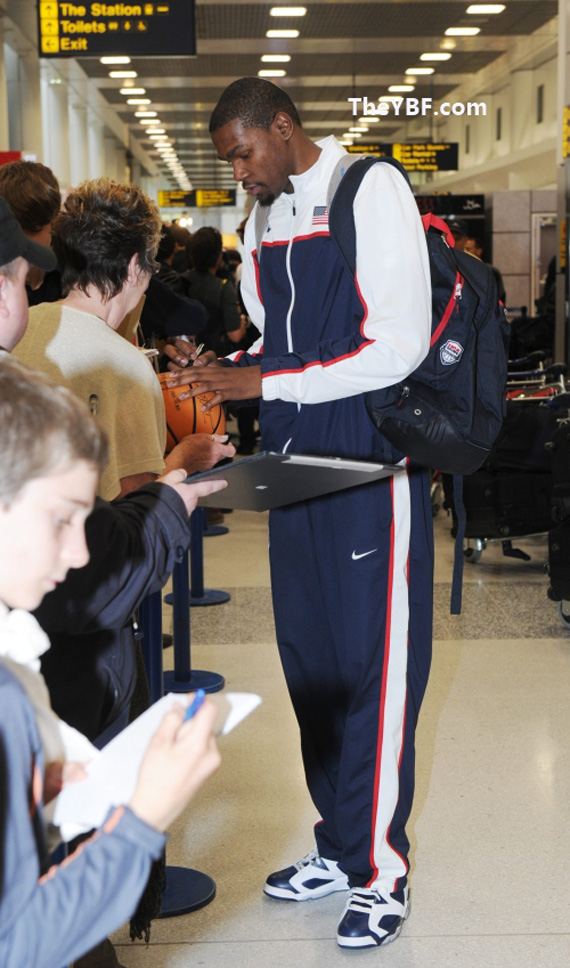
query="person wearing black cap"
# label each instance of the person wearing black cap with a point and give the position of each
(17, 254)
(460, 232)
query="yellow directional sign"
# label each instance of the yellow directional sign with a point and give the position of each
(197, 198)
(95, 29)
(419, 156)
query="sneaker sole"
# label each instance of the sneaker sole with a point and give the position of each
(282, 894)
(369, 941)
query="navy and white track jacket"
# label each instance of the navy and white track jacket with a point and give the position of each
(326, 337)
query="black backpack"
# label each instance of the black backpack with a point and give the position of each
(448, 412)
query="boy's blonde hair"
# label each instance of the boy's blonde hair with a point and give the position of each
(42, 428)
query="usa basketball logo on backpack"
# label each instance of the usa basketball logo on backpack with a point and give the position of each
(185, 417)
(450, 352)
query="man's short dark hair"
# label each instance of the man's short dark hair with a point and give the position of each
(32, 192)
(205, 246)
(255, 102)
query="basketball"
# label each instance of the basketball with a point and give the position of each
(185, 417)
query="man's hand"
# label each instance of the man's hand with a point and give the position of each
(179, 759)
(190, 493)
(181, 352)
(226, 382)
(199, 452)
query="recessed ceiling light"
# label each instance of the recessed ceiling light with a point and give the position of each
(138, 100)
(156, 130)
(420, 70)
(368, 120)
(115, 60)
(132, 90)
(485, 8)
(435, 57)
(276, 58)
(401, 89)
(145, 114)
(123, 74)
(462, 31)
(149, 121)
(271, 73)
(354, 130)
(287, 11)
(282, 33)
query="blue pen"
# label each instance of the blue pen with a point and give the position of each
(195, 704)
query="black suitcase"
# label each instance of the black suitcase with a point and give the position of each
(523, 443)
(560, 465)
(503, 505)
(559, 562)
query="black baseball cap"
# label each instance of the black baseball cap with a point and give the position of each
(458, 226)
(13, 243)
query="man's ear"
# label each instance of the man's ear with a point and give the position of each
(133, 270)
(283, 125)
(4, 282)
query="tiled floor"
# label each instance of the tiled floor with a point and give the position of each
(490, 829)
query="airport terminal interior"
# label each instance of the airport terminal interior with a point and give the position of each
(481, 121)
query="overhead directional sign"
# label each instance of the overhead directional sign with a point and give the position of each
(197, 198)
(158, 28)
(420, 156)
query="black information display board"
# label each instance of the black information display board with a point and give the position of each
(197, 198)
(160, 28)
(420, 156)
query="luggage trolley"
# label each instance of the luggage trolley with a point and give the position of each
(511, 496)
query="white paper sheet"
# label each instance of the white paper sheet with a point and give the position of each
(111, 777)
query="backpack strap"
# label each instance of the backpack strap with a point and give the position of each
(343, 186)
(260, 219)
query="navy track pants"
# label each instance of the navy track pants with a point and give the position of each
(352, 583)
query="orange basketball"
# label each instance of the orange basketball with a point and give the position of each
(185, 417)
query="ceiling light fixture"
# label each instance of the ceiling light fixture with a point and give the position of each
(271, 73)
(369, 120)
(132, 90)
(286, 34)
(420, 70)
(123, 74)
(462, 31)
(435, 57)
(115, 60)
(276, 58)
(156, 130)
(355, 130)
(287, 11)
(145, 114)
(476, 8)
(401, 89)
(138, 100)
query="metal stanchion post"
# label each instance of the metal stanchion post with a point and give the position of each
(185, 889)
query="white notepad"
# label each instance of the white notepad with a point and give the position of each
(112, 774)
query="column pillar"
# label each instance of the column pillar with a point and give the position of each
(4, 129)
(78, 142)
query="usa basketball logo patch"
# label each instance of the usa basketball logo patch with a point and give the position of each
(450, 352)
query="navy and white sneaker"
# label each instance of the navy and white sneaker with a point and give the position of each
(371, 918)
(310, 878)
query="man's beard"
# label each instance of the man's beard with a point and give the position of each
(267, 200)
